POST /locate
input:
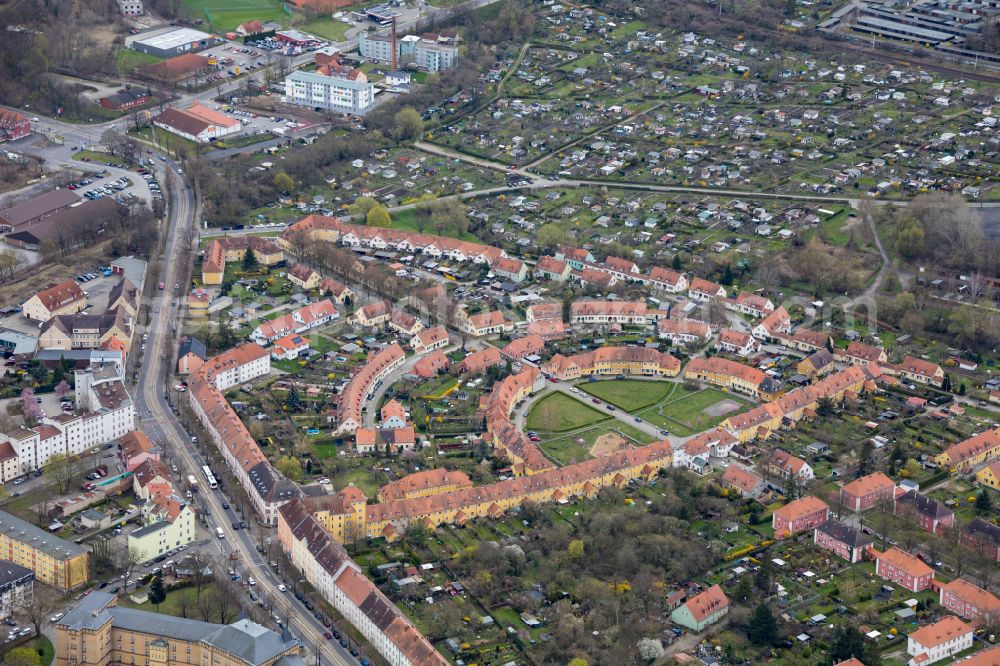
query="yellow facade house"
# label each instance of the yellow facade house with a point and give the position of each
(55, 561)
(99, 633)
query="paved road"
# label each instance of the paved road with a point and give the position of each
(164, 428)
(394, 377)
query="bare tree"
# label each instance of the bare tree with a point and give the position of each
(42, 602)
(128, 560)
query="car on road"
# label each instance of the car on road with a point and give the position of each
(225, 505)
(251, 581)
(343, 643)
(596, 401)
(235, 525)
(638, 420)
(664, 432)
(327, 635)
(56, 617)
(610, 408)
(282, 588)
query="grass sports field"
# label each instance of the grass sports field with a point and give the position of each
(694, 412)
(558, 412)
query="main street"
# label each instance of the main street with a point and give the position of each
(163, 427)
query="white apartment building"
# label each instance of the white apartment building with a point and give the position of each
(331, 93)
(108, 415)
(938, 641)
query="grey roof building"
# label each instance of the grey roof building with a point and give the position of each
(242, 642)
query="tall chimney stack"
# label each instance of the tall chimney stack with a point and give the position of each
(392, 46)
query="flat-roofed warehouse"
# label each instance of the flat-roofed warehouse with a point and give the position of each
(80, 217)
(898, 30)
(171, 42)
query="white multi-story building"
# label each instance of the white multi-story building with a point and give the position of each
(938, 641)
(169, 524)
(425, 54)
(105, 413)
(331, 93)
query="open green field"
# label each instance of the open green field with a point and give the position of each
(326, 28)
(693, 413)
(170, 606)
(558, 412)
(225, 16)
(407, 220)
(629, 394)
(128, 60)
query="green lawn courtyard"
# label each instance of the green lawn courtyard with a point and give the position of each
(694, 412)
(631, 394)
(558, 412)
(580, 446)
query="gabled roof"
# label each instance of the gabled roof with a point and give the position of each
(845, 534)
(942, 631)
(707, 603)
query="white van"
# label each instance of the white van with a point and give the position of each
(218, 530)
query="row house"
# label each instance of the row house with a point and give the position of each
(666, 280)
(842, 540)
(931, 515)
(989, 476)
(738, 343)
(479, 361)
(753, 305)
(519, 348)
(971, 452)
(807, 341)
(684, 331)
(785, 411)
(404, 323)
(304, 277)
(511, 269)
(799, 515)
(266, 489)
(703, 290)
(816, 364)
(731, 375)
(773, 324)
(982, 537)
(358, 389)
(920, 371)
(903, 569)
(864, 493)
(550, 268)
(430, 339)
(484, 323)
(970, 602)
(605, 361)
(784, 465)
(602, 313)
(747, 483)
(301, 320)
(858, 353)
(332, 229)
(336, 290)
(373, 315)
(329, 569)
(941, 640)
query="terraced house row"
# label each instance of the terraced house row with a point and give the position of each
(524, 455)
(342, 514)
(266, 489)
(352, 399)
(333, 230)
(759, 422)
(329, 569)
(613, 361)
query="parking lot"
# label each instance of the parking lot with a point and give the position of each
(114, 180)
